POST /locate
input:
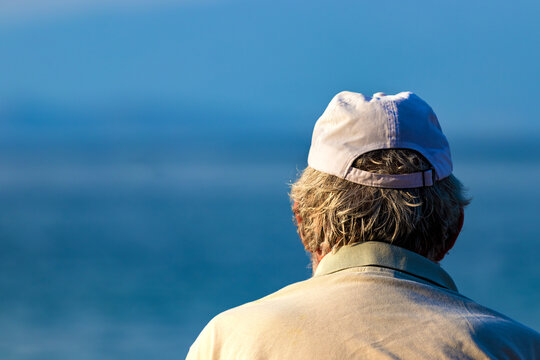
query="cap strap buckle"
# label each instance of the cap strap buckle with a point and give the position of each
(399, 181)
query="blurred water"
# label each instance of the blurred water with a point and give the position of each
(123, 248)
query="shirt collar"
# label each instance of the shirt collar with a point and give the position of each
(388, 256)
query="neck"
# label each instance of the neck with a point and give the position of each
(316, 258)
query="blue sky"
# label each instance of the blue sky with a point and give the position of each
(475, 62)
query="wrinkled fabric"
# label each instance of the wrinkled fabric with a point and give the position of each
(369, 301)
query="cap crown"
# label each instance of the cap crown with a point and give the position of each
(354, 124)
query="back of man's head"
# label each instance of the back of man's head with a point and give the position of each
(337, 212)
(338, 204)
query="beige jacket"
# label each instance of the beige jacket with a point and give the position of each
(367, 301)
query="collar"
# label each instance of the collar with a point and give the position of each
(387, 256)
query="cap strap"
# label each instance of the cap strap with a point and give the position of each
(401, 181)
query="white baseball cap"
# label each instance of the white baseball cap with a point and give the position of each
(354, 124)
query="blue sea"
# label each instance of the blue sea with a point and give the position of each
(123, 245)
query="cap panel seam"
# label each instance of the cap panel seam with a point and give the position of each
(396, 119)
(390, 111)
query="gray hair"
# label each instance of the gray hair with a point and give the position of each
(337, 212)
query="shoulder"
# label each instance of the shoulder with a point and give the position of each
(310, 315)
(501, 336)
(246, 324)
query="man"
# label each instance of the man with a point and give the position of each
(377, 208)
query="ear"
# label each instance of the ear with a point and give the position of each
(298, 221)
(295, 211)
(452, 240)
